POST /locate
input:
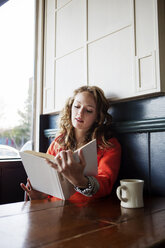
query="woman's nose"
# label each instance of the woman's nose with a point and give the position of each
(81, 111)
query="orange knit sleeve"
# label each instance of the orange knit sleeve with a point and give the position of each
(51, 149)
(108, 168)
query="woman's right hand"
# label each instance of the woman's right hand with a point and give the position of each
(31, 193)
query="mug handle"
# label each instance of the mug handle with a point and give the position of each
(119, 194)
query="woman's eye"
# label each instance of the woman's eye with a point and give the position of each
(76, 106)
(89, 111)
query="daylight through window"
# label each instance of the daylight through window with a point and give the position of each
(16, 76)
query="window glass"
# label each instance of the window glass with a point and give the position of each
(16, 76)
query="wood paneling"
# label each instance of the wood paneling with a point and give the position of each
(141, 130)
(12, 174)
(141, 109)
(135, 157)
(158, 163)
(48, 126)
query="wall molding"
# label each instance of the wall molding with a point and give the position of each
(149, 125)
(50, 133)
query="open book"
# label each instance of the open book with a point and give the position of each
(46, 179)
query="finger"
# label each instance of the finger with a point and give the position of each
(30, 186)
(57, 163)
(63, 156)
(26, 197)
(50, 162)
(24, 187)
(58, 159)
(70, 158)
(53, 165)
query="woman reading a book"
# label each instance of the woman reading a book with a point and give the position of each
(85, 117)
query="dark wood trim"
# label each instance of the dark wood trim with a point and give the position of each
(150, 125)
(50, 133)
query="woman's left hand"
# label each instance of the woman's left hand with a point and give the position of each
(64, 163)
(31, 193)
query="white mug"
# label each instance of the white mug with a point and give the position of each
(130, 193)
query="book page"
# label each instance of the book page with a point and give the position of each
(90, 155)
(42, 176)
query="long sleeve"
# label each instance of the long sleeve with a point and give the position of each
(108, 168)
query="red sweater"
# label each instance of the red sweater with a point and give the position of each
(108, 168)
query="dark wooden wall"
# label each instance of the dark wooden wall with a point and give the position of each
(48, 128)
(12, 174)
(140, 128)
(140, 125)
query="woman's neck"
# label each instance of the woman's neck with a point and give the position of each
(80, 137)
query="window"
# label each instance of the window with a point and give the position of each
(16, 77)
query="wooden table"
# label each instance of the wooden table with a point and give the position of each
(100, 224)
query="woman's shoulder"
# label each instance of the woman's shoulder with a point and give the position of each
(113, 145)
(114, 141)
(113, 150)
(54, 146)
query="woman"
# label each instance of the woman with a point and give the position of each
(84, 118)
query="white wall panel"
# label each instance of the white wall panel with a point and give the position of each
(48, 100)
(110, 43)
(111, 64)
(69, 76)
(147, 77)
(106, 16)
(145, 26)
(147, 72)
(61, 3)
(70, 33)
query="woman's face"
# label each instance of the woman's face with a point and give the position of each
(84, 111)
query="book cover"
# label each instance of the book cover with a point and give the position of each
(46, 179)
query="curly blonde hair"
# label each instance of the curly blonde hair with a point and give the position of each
(100, 130)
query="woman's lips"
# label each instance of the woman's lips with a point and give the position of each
(79, 120)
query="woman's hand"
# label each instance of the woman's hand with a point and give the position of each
(31, 193)
(66, 165)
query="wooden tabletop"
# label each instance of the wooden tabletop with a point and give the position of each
(99, 223)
